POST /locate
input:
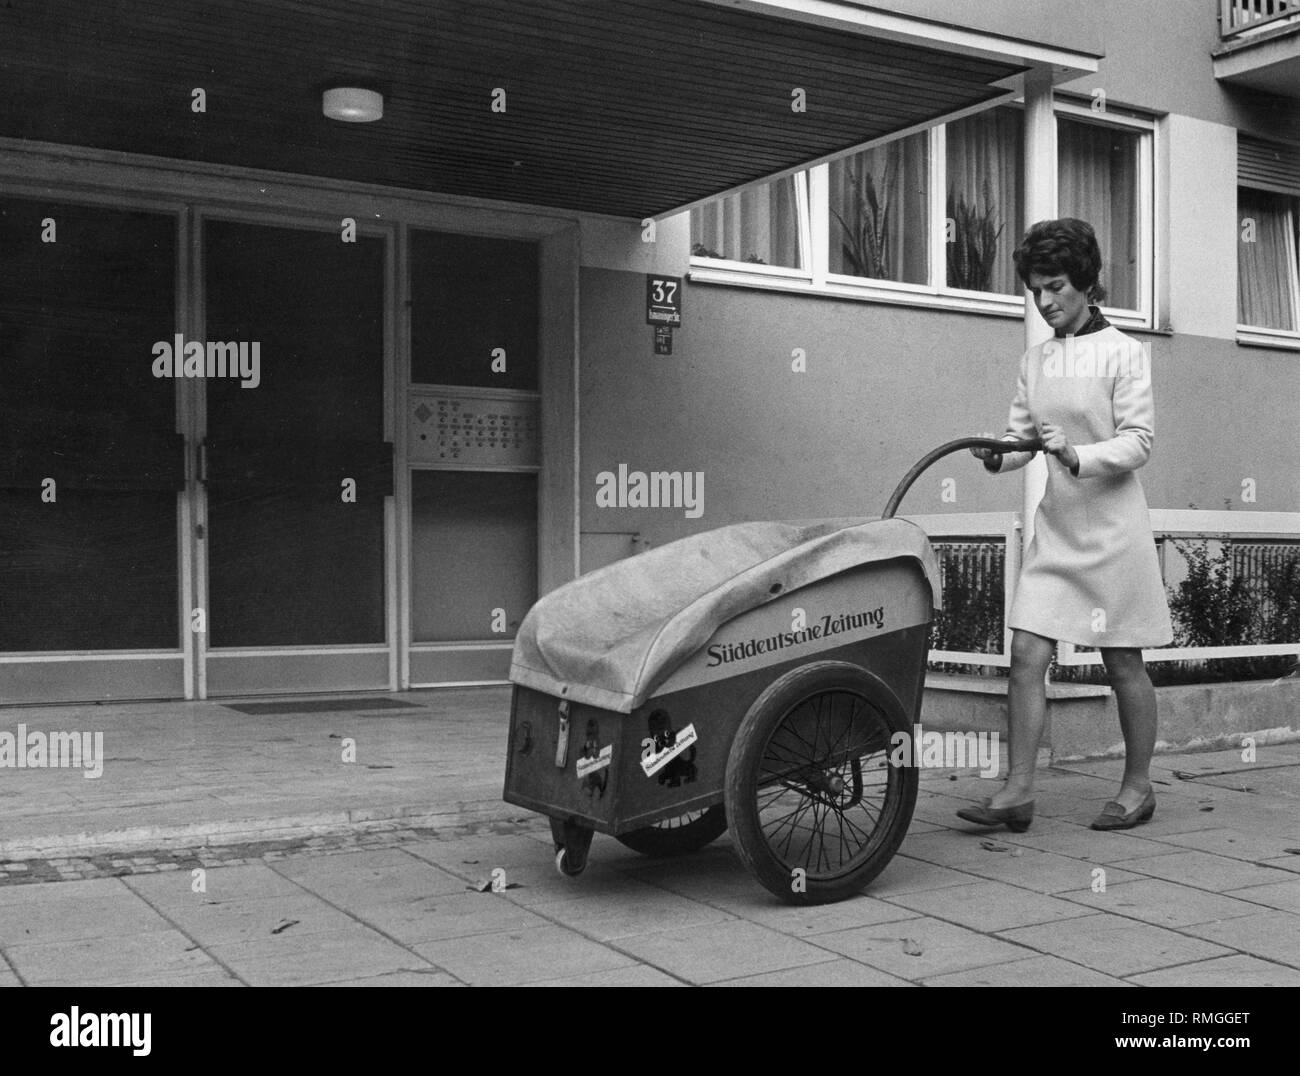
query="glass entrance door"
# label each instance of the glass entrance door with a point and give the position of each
(91, 465)
(297, 471)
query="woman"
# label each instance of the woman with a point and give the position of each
(1090, 575)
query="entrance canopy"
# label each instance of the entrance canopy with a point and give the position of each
(631, 108)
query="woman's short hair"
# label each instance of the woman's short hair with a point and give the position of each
(1068, 246)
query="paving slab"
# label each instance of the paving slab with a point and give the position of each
(1236, 970)
(59, 916)
(1235, 844)
(220, 922)
(649, 912)
(284, 960)
(1038, 970)
(907, 874)
(988, 906)
(1282, 895)
(1115, 945)
(832, 973)
(917, 949)
(166, 891)
(414, 978)
(633, 975)
(391, 872)
(1203, 870)
(1165, 904)
(1042, 872)
(800, 921)
(413, 920)
(712, 952)
(116, 960)
(1272, 935)
(516, 957)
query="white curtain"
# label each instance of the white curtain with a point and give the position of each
(890, 242)
(985, 198)
(1098, 183)
(1266, 260)
(758, 225)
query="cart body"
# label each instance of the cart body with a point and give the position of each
(631, 682)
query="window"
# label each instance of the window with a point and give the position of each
(932, 218)
(1267, 291)
(1098, 182)
(760, 226)
(1268, 215)
(879, 212)
(985, 200)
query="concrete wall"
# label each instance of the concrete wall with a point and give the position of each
(883, 385)
(1158, 57)
(1060, 23)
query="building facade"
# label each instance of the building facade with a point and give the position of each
(292, 404)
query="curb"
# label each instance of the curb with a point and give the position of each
(236, 831)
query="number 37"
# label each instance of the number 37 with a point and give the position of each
(664, 291)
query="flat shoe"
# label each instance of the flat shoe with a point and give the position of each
(1113, 815)
(1016, 818)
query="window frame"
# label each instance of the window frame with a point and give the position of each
(814, 237)
(1262, 335)
(734, 271)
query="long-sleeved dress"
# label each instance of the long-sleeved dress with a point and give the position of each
(1091, 575)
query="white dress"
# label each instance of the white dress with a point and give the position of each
(1091, 575)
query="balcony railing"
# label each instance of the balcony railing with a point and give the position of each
(979, 555)
(1238, 17)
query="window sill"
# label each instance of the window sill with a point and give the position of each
(1270, 338)
(800, 282)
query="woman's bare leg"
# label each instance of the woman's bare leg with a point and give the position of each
(1136, 699)
(1026, 707)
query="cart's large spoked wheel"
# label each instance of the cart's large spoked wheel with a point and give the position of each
(678, 836)
(815, 807)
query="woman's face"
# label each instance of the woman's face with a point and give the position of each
(1063, 307)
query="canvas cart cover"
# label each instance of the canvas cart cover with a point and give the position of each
(610, 637)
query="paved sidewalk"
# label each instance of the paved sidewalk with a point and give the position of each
(187, 772)
(257, 858)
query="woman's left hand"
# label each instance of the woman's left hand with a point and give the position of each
(1054, 442)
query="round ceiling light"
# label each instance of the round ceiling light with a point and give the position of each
(351, 104)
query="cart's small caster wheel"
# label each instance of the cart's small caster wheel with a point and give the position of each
(569, 865)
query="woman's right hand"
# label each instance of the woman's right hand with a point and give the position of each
(982, 453)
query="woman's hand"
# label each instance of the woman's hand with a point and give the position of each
(1054, 442)
(982, 453)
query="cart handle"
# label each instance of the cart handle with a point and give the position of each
(1030, 444)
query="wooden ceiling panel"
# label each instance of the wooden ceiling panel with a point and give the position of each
(626, 107)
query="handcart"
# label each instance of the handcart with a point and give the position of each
(757, 676)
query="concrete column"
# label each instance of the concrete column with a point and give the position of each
(1040, 204)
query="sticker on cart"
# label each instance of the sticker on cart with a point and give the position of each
(656, 754)
(599, 762)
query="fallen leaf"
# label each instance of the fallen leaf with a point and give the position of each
(1207, 808)
(911, 947)
(285, 926)
(486, 887)
(1292, 851)
(993, 846)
